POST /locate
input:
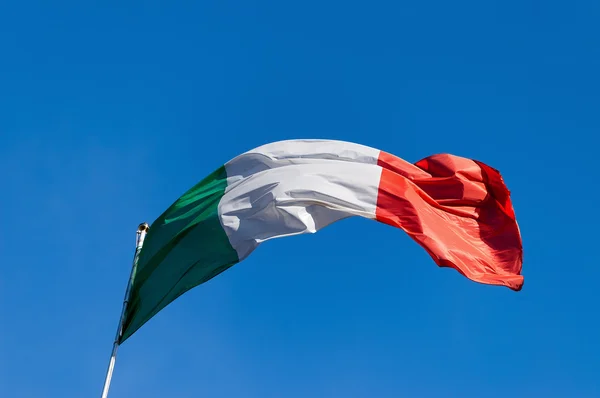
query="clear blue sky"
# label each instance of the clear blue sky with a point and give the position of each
(109, 111)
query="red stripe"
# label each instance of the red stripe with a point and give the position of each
(459, 210)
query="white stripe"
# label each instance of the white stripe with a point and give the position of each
(294, 187)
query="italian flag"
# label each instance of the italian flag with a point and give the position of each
(457, 209)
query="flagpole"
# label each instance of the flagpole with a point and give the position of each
(139, 241)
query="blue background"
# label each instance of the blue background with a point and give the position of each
(110, 110)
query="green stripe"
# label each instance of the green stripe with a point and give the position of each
(185, 247)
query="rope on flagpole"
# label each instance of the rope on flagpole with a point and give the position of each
(140, 235)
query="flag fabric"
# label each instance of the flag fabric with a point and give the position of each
(457, 209)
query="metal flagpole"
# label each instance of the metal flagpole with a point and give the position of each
(140, 235)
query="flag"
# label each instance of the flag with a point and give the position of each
(457, 209)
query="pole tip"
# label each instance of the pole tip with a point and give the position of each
(143, 227)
